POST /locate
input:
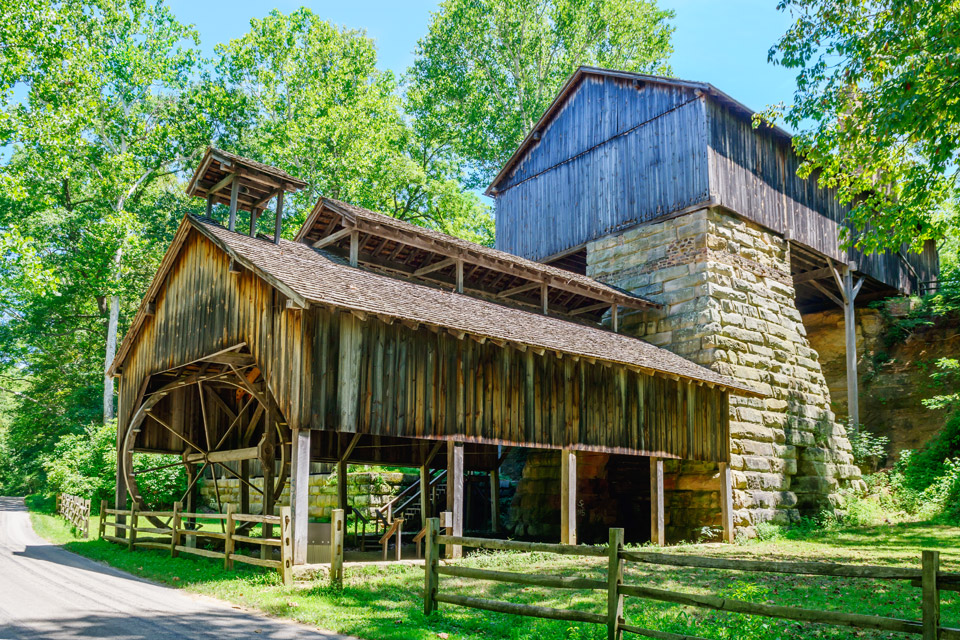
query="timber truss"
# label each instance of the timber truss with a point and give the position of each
(217, 415)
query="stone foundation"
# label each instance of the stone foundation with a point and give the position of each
(728, 304)
(366, 491)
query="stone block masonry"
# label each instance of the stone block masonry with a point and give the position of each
(365, 490)
(728, 304)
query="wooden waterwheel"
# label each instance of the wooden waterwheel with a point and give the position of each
(234, 420)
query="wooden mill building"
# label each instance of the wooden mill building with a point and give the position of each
(370, 340)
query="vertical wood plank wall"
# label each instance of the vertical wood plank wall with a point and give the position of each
(582, 181)
(417, 383)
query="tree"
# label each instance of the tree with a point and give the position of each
(302, 94)
(97, 110)
(488, 69)
(877, 111)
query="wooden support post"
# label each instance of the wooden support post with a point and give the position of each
(657, 525)
(425, 507)
(120, 495)
(336, 546)
(726, 502)
(850, 339)
(254, 214)
(459, 276)
(286, 546)
(446, 521)
(930, 566)
(176, 525)
(354, 248)
(229, 544)
(300, 493)
(268, 469)
(191, 506)
(209, 208)
(455, 493)
(244, 486)
(495, 500)
(278, 223)
(134, 513)
(102, 529)
(568, 496)
(614, 580)
(234, 195)
(545, 298)
(431, 564)
(342, 496)
(615, 318)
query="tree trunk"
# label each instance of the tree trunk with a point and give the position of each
(108, 412)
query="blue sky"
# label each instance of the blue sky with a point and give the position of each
(723, 42)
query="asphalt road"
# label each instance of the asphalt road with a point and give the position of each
(49, 593)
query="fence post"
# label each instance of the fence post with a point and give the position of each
(931, 594)
(432, 560)
(175, 525)
(134, 516)
(614, 580)
(336, 546)
(102, 529)
(446, 521)
(228, 542)
(286, 547)
(59, 501)
(86, 518)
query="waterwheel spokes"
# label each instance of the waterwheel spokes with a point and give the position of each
(236, 421)
(174, 432)
(240, 478)
(193, 482)
(203, 414)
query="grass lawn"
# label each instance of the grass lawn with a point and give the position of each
(378, 603)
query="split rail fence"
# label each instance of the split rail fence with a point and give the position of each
(181, 528)
(928, 578)
(76, 510)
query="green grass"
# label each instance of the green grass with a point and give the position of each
(378, 603)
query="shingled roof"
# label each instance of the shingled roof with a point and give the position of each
(308, 276)
(392, 243)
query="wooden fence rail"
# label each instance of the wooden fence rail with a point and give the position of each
(76, 510)
(929, 578)
(181, 529)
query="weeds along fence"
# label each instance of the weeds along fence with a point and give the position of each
(928, 578)
(181, 533)
(76, 510)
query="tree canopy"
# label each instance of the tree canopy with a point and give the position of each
(488, 69)
(877, 110)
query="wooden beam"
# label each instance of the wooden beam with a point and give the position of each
(589, 308)
(545, 298)
(300, 493)
(332, 238)
(209, 211)
(354, 247)
(816, 274)
(435, 266)
(262, 202)
(229, 179)
(278, 221)
(523, 288)
(726, 502)
(426, 508)
(568, 496)
(455, 494)
(460, 276)
(615, 318)
(234, 194)
(657, 525)
(495, 500)
(254, 214)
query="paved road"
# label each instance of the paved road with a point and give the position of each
(48, 593)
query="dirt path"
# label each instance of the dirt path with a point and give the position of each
(49, 593)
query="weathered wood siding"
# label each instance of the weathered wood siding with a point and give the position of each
(204, 308)
(614, 156)
(617, 155)
(423, 384)
(754, 173)
(329, 370)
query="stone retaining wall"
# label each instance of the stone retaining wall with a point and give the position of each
(365, 490)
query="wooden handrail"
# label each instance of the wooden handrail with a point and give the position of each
(395, 528)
